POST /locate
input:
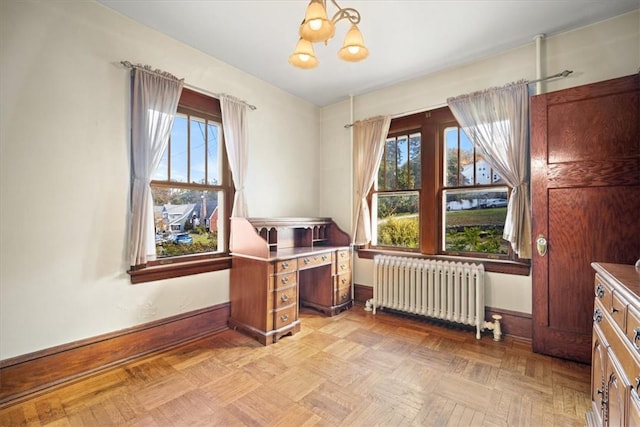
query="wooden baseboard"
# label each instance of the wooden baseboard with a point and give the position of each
(513, 323)
(35, 372)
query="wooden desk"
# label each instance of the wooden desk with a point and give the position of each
(280, 264)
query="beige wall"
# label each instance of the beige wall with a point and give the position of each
(598, 52)
(64, 170)
(64, 166)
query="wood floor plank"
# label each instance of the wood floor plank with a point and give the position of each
(353, 369)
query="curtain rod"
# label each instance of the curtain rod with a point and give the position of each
(563, 74)
(161, 73)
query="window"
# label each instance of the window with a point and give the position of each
(435, 195)
(192, 191)
(474, 200)
(396, 198)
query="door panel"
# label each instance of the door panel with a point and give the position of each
(585, 185)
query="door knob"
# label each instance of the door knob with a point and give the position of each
(541, 245)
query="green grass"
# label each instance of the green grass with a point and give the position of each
(479, 217)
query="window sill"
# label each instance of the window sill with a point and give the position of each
(179, 269)
(490, 265)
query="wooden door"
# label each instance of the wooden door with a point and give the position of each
(585, 190)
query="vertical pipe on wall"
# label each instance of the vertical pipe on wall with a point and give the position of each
(538, 39)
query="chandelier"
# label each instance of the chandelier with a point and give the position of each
(317, 27)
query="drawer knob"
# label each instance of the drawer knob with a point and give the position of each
(285, 264)
(284, 317)
(344, 296)
(324, 257)
(285, 279)
(344, 280)
(599, 290)
(636, 338)
(306, 260)
(342, 266)
(597, 316)
(284, 297)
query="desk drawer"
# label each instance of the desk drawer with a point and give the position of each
(343, 255)
(284, 280)
(285, 316)
(343, 280)
(286, 296)
(286, 266)
(314, 260)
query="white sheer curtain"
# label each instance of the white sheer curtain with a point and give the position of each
(497, 121)
(369, 137)
(155, 97)
(234, 123)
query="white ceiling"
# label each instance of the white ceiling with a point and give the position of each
(406, 38)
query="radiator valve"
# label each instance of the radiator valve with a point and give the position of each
(367, 305)
(495, 327)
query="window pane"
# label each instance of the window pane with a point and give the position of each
(178, 152)
(186, 221)
(451, 157)
(415, 169)
(162, 171)
(474, 220)
(390, 165)
(397, 222)
(402, 163)
(197, 147)
(467, 172)
(214, 156)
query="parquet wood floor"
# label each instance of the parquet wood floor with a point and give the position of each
(354, 369)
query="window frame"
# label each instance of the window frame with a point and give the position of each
(192, 102)
(431, 124)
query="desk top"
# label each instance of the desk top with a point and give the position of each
(290, 253)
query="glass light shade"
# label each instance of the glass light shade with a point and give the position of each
(353, 48)
(316, 27)
(303, 56)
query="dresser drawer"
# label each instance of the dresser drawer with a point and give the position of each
(634, 409)
(286, 296)
(286, 266)
(314, 260)
(284, 280)
(285, 316)
(618, 310)
(633, 328)
(603, 292)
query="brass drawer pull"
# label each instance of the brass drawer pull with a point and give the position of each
(284, 317)
(636, 338)
(284, 298)
(284, 265)
(344, 296)
(343, 254)
(344, 280)
(306, 260)
(343, 266)
(597, 316)
(324, 257)
(285, 279)
(599, 290)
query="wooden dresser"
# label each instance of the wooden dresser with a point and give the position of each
(615, 365)
(280, 264)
